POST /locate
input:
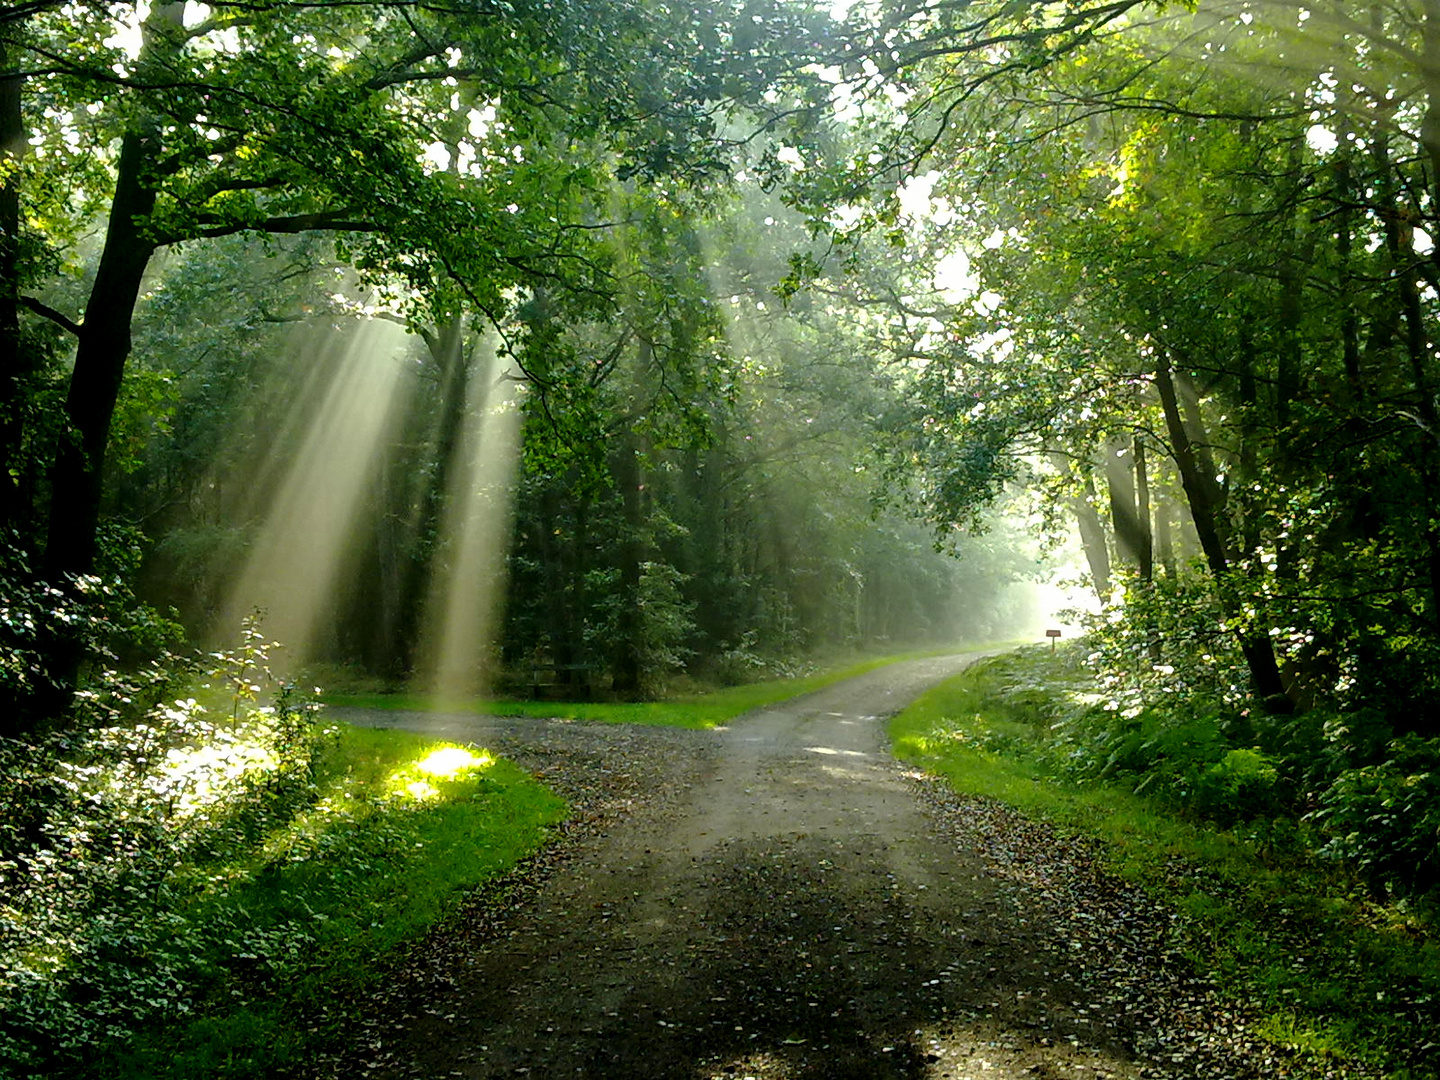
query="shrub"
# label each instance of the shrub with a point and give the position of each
(95, 618)
(102, 834)
(1384, 818)
(663, 622)
(1169, 637)
(1241, 786)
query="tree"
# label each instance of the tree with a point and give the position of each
(1232, 285)
(300, 117)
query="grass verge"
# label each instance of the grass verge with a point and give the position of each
(708, 710)
(1331, 971)
(255, 936)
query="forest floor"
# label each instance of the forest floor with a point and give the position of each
(781, 899)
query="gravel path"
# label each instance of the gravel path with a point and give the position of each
(780, 899)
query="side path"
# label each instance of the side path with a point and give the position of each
(780, 899)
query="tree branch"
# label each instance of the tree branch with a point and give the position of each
(59, 318)
(331, 221)
(21, 12)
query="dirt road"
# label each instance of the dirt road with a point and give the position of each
(781, 899)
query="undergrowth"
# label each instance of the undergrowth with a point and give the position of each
(174, 891)
(1277, 906)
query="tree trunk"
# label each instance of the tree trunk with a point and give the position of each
(1344, 255)
(102, 350)
(1399, 240)
(1164, 537)
(14, 366)
(560, 612)
(1289, 367)
(1416, 338)
(1417, 347)
(100, 356)
(626, 661)
(1189, 400)
(1430, 74)
(1146, 552)
(1201, 493)
(1132, 531)
(446, 344)
(576, 590)
(104, 340)
(1248, 409)
(1092, 539)
(1297, 256)
(77, 474)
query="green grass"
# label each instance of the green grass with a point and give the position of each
(403, 828)
(708, 710)
(1334, 973)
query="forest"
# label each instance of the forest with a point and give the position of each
(617, 348)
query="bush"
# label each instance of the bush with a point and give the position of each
(1169, 638)
(94, 619)
(1385, 818)
(663, 622)
(1350, 787)
(1181, 752)
(1241, 786)
(105, 832)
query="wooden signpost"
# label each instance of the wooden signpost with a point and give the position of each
(1052, 635)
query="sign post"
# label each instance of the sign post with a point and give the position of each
(1052, 635)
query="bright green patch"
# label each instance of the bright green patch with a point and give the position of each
(1335, 973)
(404, 827)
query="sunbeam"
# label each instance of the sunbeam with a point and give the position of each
(466, 586)
(308, 532)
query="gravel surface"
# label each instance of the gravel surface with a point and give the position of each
(781, 899)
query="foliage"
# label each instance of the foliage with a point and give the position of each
(666, 621)
(743, 428)
(1241, 784)
(1170, 715)
(112, 821)
(1384, 818)
(1165, 640)
(1193, 313)
(469, 164)
(175, 886)
(1339, 782)
(127, 641)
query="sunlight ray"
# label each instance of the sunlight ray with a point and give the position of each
(308, 532)
(468, 580)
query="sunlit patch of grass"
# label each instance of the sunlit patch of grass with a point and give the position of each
(446, 766)
(370, 840)
(450, 761)
(1333, 974)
